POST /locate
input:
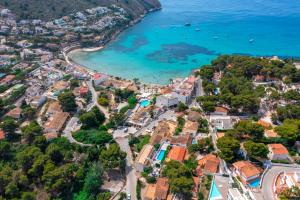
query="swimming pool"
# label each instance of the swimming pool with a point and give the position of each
(161, 155)
(144, 103)
(255, 183)
(214, 192)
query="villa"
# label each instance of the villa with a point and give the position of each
(190, 127)
(209, 164)
(220, 111)
(99, 78)
(177, 153)
(246, 171)
(286, 180)
(183, 140)
(53, 108)
(278, 152)
(38, 101)
(15, 113)
(166, 100)
(57, 122)
(221, 122)
(162, 189)
(166, 128)
(270, 133)
(143, 158)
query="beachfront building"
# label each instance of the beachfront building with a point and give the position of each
(278, 152)
(167, 100)
(181, 90)
(143, 158)
(246, 171)
(100, 78)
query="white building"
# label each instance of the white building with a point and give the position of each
(166, 100)
(278, 152)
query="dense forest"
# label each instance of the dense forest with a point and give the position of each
(50, 9)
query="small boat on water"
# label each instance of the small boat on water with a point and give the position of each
(251, 40)
(187, 24)
(197, 29)
(216, 37)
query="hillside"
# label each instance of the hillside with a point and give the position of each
(50, 9)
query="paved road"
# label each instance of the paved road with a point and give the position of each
(94, 100)
(131, 179)
(269, 178)
(72, 126)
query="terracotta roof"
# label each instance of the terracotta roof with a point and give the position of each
(264, 123)
(220, 134)
(60, 85)
(194, 116)
(221, 109)
(177, 153)
(259, 78)
(54, 107)
(145, 153)
(57, 122)
(15, 113)
(246, 168)
(278, 149)
(51, 135)
(162, 188)
(190, 127)
(210, 163)
(166, 128)
(7, 78)
(184, 140)
(150, 191)
(270, 133)
(83, 90)
(2, 134)
(155, 139)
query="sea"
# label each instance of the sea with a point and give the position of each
(185, 35)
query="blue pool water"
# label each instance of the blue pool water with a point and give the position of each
(161, 47)
(214, 192)
(145, 103)
(255, 183)
(161, 155)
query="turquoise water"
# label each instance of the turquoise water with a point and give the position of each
(145, 103)
(161, 155)
(162, 47)
(214, 192)
(255, 183)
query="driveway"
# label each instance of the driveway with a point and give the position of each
(131, 179)
(72, 126)
(94, 100)
(269, 179)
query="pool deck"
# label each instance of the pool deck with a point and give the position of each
(222, 184)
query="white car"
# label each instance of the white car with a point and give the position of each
(128, 196)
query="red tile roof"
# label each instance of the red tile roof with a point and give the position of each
(162, 188)
(278, 149)
(246, 168)
(2, 134)
(177, 153)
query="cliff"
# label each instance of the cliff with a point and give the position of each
(51, 9)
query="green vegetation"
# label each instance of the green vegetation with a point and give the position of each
(139, 142)
(203, 146)
(289, 130)
(92, 119)
(53, 9)
(92, 136)
(180, 178)
(180, 125)
(290, 193)
(67, 101)
(181, 107)
(113, 157)
(229, 148)
(255, 150)
(236, 89)
(246, 129)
